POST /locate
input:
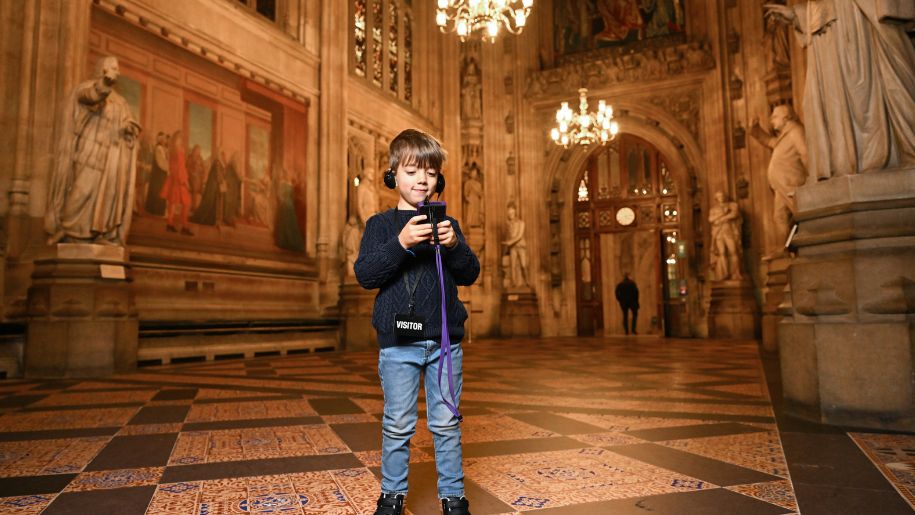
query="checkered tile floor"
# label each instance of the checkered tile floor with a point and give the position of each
(562, 425)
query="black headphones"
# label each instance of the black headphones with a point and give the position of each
(391, 182)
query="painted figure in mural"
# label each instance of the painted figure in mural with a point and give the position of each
(231, 206)
(473, 197)
(144, 167)
(620, 17)
(627, 294)
(287, 234)
(90, 198)
(726, 221)
(787, 166)
(662, 17)
(859, 100)
(352, 235)
(155, 204)
(472, 92)
(366, 196)
(211, 210)
(177, 192)
(258, 200)
(516, 249)
(196, 174)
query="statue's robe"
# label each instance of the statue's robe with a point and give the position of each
(859, 102)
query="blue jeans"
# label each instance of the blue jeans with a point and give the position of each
(399, 368)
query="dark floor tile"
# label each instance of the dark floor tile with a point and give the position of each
(823, 459)
(699, 467)
(265, 397)
(34, 485)
(19, 401)
(260, 372)
(123, 501)
(363, 436)
(693, 431)
(52, 434)
(54, 385)
(334, 406)
(160, 415)
(717, 501)
(834, 500)
(481, 449)
(135, 452)
(70, 407)
(557, 423)
(250, 423)
(262, 467)
(176, 394)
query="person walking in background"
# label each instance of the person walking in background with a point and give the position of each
(627, 294)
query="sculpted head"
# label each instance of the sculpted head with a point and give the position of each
(107, 69)
(780, 117)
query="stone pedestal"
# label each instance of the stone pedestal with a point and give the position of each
(847, 351)
(774, 298)
(733, 311)
(520, 315)
(81, 317)
(356, 305)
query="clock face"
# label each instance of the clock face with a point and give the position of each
(625, 216)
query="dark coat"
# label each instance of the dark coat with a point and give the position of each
(627, 294)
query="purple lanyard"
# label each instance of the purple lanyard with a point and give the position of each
(446, 341)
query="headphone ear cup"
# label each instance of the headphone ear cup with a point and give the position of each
(440, 184)
(389, 179)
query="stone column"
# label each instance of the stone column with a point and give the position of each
(82, 319)
(774, 298)
(847, 350)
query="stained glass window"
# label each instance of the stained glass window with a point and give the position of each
(359, 43)
(377, 42)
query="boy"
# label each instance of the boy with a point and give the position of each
(397, 257)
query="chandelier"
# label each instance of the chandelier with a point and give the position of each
(584, 128)
(467, 17)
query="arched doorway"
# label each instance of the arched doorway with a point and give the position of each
(627, 219)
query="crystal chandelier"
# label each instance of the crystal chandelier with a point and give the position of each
(584, 128)
(467, 17)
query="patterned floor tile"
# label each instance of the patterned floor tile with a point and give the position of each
(257, 443)
(894, 456)
(758, 451)
(66, 419)
(779, 493)
(149, 429)
(562, 478)
(348, 418)
(249, 410)
(26, 504)
(486, 428)
(109, 479)
(42, 457)
(69, 398)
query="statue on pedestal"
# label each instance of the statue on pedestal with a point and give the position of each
(90, 198)
(787, 166)
(859, 101)
(366, 196)
(515, 268)
(471, 92)
(473, 197)
(352, 238)
(726, 239)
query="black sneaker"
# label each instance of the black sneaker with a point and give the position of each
(389, 504)
(455, 506)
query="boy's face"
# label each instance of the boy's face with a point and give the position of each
(414, 183)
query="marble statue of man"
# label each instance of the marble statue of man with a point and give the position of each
(726, 221)
(352, 237)
(366, 195)
(516, 247)
(91, 193)
(473, 197)
(859, 101)
(787, 166)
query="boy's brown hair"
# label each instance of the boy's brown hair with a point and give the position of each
(413, 147)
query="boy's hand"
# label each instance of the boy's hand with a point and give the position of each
(414, 232)
(446, 235)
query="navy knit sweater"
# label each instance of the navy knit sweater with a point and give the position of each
(383, 264)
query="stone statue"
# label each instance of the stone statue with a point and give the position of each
(859, 102)
(778, 51)
(516, 249)
(352, 236)
(366, 196)
(726, 239)
(90, 197)
(787, 166)
(473, 197)
(472, 92)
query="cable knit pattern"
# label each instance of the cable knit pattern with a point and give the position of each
(383, 263)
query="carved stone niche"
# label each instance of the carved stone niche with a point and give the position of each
(82, 321)
(846, 349)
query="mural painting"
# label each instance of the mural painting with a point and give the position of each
(583, 25)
